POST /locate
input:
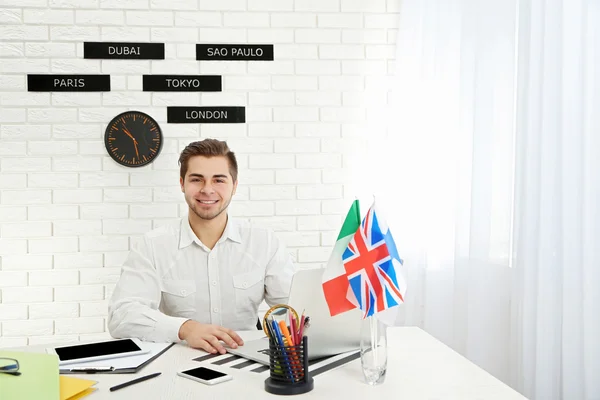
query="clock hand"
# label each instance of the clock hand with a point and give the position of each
(129, 134)
(134, 141)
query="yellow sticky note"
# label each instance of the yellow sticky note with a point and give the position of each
(72, 388)
(83, 394)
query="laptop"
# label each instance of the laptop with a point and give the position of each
(327, 335)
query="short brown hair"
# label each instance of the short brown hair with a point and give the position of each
(208, 148)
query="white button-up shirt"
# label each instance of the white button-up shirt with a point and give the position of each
(170, 276)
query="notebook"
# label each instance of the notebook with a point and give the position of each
(327, 335)
(38, 380)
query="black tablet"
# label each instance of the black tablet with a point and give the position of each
(97, 351)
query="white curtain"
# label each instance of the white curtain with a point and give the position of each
(492, 185)
(557, 200)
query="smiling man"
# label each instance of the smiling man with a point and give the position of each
(202, 278)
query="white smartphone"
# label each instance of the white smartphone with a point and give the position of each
(97, 351)
(205, 375)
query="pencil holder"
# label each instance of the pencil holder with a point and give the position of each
(288, 366)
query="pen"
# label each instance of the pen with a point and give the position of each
(283, 351)
(286, 333)
(301, 328)
(270, 329)
(143, 378)
(294, 331)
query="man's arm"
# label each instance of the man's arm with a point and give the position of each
(279, 273)
(133, 307)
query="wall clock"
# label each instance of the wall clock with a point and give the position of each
(133, 139)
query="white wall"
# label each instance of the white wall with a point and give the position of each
(68, 213)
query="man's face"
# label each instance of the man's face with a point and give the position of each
(208, 186)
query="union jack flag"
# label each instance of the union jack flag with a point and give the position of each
(372, 265)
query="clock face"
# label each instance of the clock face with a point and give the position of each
(133, 139)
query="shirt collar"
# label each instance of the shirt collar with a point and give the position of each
(187, 235)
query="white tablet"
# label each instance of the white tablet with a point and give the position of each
(97, 351)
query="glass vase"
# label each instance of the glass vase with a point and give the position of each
(373, 350)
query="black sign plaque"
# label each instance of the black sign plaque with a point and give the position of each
(182, 83)
(235, 52)
(68, 83)
(122, 50)
(206, 115)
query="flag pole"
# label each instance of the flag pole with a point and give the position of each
(374, 332)
(374, 339)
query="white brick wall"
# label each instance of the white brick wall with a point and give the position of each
(69, 214)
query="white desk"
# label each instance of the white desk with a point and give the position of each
(419, 367)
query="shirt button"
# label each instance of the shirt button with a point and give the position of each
(245, 284)
(214, 283)
(215, 310)
(184, 292)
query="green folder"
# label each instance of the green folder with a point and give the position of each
(38, 380)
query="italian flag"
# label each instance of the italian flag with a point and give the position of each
(336, 287)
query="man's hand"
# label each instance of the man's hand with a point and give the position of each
(207, 337)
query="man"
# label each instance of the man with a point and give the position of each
(202, 278)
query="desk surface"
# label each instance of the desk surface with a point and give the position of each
(419, 367)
